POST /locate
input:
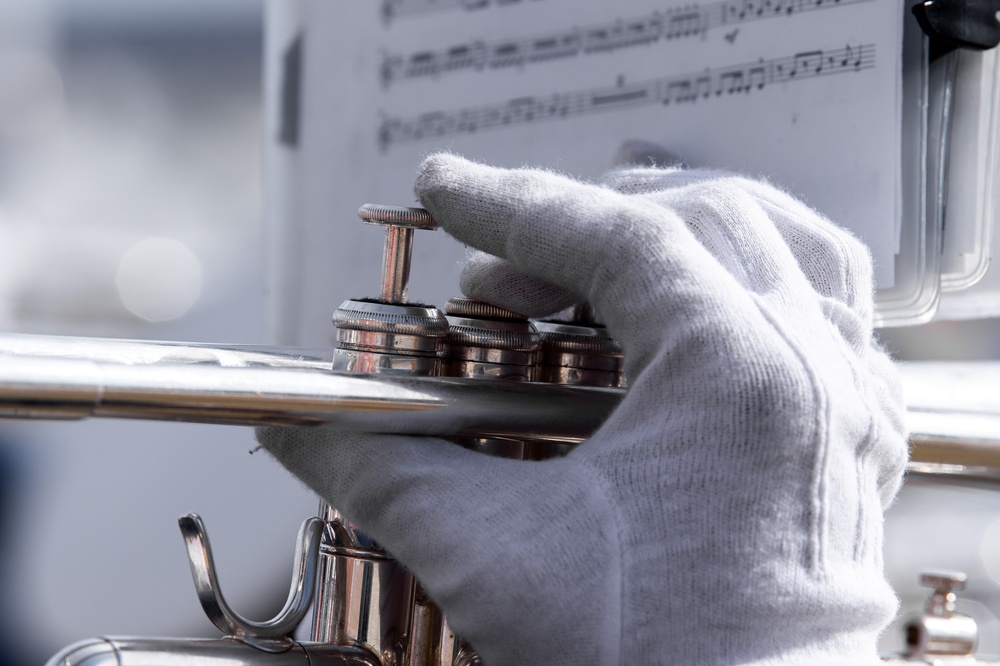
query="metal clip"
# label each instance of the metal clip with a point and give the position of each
(951, 24)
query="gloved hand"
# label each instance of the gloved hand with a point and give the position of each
(730, 510)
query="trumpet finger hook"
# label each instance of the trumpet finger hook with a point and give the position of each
(272, 635)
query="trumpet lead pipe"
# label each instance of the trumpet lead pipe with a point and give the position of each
(60, 388)
(953, 409)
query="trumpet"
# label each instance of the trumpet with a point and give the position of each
(481, 376)
(953, 414)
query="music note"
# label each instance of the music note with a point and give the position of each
(621, 94)
(731, 82)
(678, 91)
(434, 123)
(424, 63)
(702, 87)
(683, 25)
(506, 54)
(543, 47)
(648, 30)
(558, 106)
(807, 60)
(685, 21)
(560, 45)
(848, 54)
(520, 110)
(596, 39)
(666, 91)
(465, 56)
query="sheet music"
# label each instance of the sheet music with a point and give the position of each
(805, 93)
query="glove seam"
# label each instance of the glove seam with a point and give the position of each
(821, 441)
(863, 454)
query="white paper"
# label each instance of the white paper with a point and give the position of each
(799, 91)
(804, 93)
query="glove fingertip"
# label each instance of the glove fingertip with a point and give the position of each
(438, 175)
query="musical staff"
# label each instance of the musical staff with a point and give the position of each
(698, 87)
(671, 24)
(401, 9)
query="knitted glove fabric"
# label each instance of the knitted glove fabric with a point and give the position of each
(730, 510)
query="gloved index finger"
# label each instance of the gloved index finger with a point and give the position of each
(629, 257)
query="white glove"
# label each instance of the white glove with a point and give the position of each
(730, 510)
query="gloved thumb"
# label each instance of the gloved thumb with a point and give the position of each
(503, 546)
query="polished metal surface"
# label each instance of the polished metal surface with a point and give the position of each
(942, 660)
(148, 352)
(578, 354)
(398, 247)
(396, 323)
(469, 307)
(273, 635)
(365, 597)
(204, 652)
(953, 413)
(953, 408)
(397, 216)
(387, 338)
(940, 633)
(397, 253)
(54, 388)
(485, 342)
(491, 341)
(432, 642)
(375, 363)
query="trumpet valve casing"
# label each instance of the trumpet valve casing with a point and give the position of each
(376, 338)
(488, 342)
(579, 354)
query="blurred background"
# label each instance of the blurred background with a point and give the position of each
(130, 206)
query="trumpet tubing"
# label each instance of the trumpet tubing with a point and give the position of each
(51, 377)
(54, 381)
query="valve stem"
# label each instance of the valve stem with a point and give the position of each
(397, 250)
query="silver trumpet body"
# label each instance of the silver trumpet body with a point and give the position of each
(54, 377)
(483, 377)
(50, 377)
(372, 611)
